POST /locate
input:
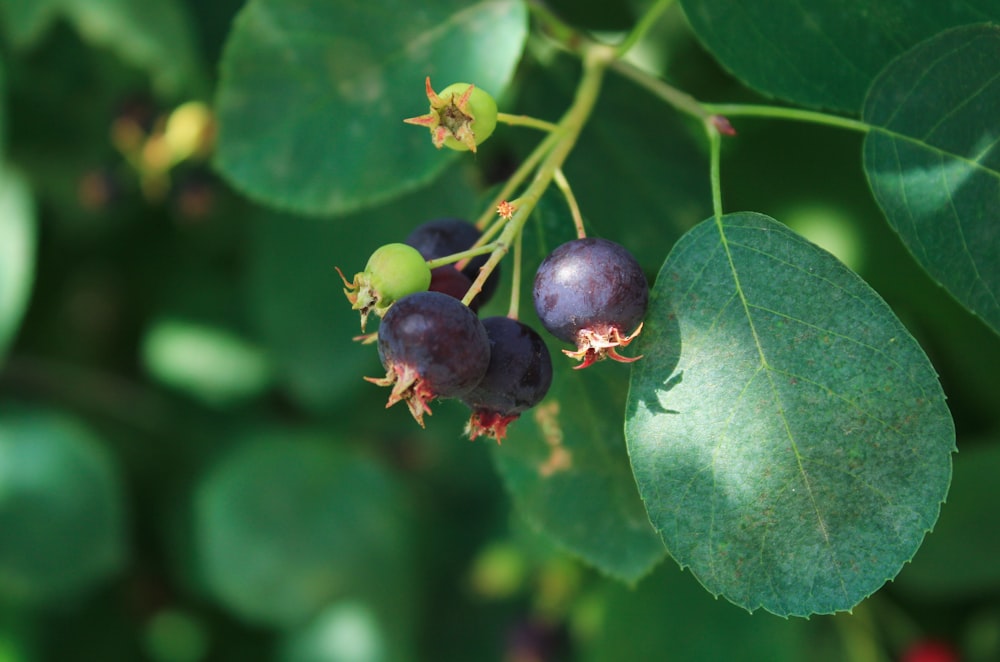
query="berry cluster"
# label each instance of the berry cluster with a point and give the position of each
(432, 345)
(429, 289)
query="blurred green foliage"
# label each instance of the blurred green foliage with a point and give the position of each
(191, 467)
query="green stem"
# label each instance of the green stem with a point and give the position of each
(526, 168)
(596, 59)
(515, 286)
(640, 29)
(781, 112)
(679, 99)
(687, 104)
(715, 151)
(525, 120)
(464, 255)
(574, 208)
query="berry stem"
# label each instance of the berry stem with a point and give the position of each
(574, 208)
(596, 59)
(526, 168)
(526, 120)
(515, 287)
(463, 255)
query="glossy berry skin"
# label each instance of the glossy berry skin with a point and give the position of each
(591, 292)
(449, 280)
(447, 236)
(517, 378)
(432, 346)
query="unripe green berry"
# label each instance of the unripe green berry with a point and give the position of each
(460, 117)
(393, 271)
(481, 106)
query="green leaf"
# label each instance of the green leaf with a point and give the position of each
(933, 163)
(822, 53)
(313, 94)
(789, 437)
(565, 465)
(17, 253)
(60, 508)
(288, 522)
(154, 35)
(960, 557)
(669, 617)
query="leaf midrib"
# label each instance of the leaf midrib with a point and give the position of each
(765, 366)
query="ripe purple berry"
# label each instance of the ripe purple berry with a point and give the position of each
(449, 280)
(432, 346)
(518, 377)
(447, 236)
(591, 292)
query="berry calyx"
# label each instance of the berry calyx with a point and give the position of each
(432, 346)
(517, 378)
(461, 116)
(447, 236)
(392, 272)
(592, 292)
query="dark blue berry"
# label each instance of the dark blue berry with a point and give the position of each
(446, 236)
(432, 346)
(517, 378)
(591, 292)
(449, 280)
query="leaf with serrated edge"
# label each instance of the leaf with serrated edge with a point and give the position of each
(822, 53)
(933, 161)
(789, 437)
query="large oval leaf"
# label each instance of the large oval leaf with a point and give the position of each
(822, 53)
(788, 435)
(314, 93)
(933, 161)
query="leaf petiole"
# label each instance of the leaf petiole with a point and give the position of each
(782, 112)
